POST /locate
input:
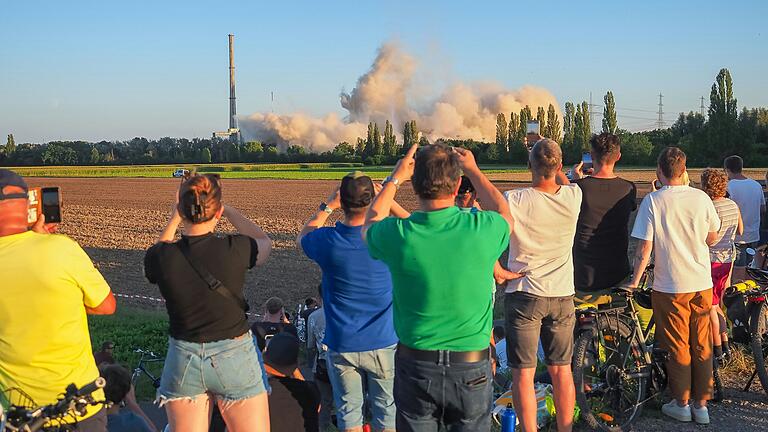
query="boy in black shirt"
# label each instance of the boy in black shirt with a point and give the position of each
(293, 403)
(600, 246)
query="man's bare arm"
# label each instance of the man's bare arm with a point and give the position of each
(487, 193)
(643, 251)
(381, 207)
(106, 307)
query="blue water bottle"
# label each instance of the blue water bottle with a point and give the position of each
(508, 419)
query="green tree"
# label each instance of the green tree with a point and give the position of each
(360, 147)
(636, 149)
(56, 153)
(94, 156)
(407, 135)
(343, 150)
(541, 117)
(553, 124)
(10, 145)
(609, 114)
(568, 124)
(502, 136)
(579, 128)
(205, 155)
(722, 134)
(369, 149)
(378, 146)
(390, 142)
(516, 151)
(587, 126)
(253, 151)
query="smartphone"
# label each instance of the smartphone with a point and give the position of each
(586, 160)
(533, 127)
(51, 204)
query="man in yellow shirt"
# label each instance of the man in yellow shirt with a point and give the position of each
(49, 284)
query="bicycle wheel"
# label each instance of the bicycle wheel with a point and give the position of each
(758, 326)
(609, 372)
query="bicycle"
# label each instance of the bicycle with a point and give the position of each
(748, 312)
(24, 415)
(145, 358)
(615, 368)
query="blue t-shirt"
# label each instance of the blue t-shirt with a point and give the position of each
(126, 421)
(357, 290)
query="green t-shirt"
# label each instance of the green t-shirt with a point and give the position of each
(442, 273)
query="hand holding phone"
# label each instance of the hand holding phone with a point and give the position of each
(51, 204)
(586, 162)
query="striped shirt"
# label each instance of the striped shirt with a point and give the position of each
(728, 212)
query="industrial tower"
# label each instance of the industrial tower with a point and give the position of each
(233, 133)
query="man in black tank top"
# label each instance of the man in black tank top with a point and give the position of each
(600, 246)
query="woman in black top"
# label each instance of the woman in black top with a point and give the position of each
(211, 355)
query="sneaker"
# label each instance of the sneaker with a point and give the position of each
(672, 409)
(700, 415)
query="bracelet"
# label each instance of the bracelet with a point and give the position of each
(392, 180)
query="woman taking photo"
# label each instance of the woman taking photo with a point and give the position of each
(211, 356)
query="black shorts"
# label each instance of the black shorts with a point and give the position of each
(529, 318)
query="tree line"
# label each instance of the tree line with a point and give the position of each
(706, 140)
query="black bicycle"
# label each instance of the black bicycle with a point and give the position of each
(747, 312)
(616, 369)
(24, 416)
(146, 358)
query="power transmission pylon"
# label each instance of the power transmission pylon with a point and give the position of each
(660, 122)
(703, 113)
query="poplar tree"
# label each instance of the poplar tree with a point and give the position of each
(553, 124)
(609, 114)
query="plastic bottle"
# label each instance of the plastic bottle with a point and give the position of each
(508, 419)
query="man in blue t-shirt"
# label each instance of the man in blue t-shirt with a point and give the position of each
(357, 299)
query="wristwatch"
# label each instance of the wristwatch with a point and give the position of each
(324, 207)
(392, 180)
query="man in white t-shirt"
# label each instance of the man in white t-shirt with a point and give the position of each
(748, 195)
(678, 223)
(540, 303)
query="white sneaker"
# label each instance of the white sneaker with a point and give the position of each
(700, 415)
(677, 412)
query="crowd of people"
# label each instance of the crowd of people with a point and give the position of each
(401, 336)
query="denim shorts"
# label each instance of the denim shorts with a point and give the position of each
(228, 369)
(530, 318)
(351, 374)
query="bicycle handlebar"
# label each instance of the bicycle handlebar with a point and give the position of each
(74, 399)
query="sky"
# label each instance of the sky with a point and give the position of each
(116, 70)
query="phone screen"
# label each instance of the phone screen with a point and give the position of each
(51, 205)
(586, 159)
(533, 128)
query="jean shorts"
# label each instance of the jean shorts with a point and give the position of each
(228, 369)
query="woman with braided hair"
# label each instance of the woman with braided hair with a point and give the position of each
(211, 356)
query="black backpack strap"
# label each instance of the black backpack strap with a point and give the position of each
(214, 284)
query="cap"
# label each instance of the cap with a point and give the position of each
(466, 186)
(10, 178)
(356, 190)
(282, 351)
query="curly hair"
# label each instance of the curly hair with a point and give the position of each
(606, 147)
(714, 182)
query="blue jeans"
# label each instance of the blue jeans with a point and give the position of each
(433, 397)
(351, 374)
(228, 369)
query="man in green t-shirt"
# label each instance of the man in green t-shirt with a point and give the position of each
(442, 263)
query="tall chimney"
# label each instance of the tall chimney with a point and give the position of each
(232, 103)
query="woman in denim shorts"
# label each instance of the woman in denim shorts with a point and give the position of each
(211, 355)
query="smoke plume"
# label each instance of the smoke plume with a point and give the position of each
(462, 111)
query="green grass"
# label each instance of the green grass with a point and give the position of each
(296, 171)
(131, 328)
